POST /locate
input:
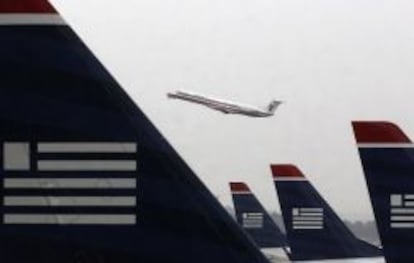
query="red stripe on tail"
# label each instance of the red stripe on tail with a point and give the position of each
(239, 187)
(26, 6)
(285, 170)
(378, 132)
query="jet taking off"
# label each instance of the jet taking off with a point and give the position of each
(85, 177)
(226, 106)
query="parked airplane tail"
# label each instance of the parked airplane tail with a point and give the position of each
(274, 105)
(314, 230)
(85, 176)
(254, 219)
(387, 156)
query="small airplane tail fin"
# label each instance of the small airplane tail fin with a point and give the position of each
(314, 230)
(274, 105)
(387, 157)
(254, 219)
(85, 175)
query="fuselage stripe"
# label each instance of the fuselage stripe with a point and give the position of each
(31, 19)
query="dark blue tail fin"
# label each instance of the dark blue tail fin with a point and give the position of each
(254, 219)
(313, 229)
(85, 176)
(387, 156)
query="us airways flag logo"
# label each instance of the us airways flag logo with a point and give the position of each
(402, 210)
(307, 218)
(252, 220)
(69, 183)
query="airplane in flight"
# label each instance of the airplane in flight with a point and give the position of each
(85, 176)
(255, 220)
(226, 106)
(387, 157)
(315, 233)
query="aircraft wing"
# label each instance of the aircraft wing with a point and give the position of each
(221, 109)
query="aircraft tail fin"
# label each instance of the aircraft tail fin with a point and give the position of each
(273, 106)
(254, 219)
(387, 156)
(84, 174)
(314, 230)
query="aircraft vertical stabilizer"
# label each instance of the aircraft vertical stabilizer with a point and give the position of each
(274, 105)
(85, 176)
(314, 230)
(387, 156)
(254, 219)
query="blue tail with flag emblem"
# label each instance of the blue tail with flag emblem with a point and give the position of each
(314, 230)
(254, 219)
(85, 176)
(387, 157)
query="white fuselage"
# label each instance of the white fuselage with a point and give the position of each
(276, 255)
(347, 260)
(221, 105)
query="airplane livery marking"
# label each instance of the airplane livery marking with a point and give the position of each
(69, 161)
(314, 231)
(62, 183)
(386, 154)
(31, 19)
(92, 147)
(402, 211)
(252, 220)
(307, 218)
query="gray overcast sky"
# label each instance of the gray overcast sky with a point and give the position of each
(331, 60)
